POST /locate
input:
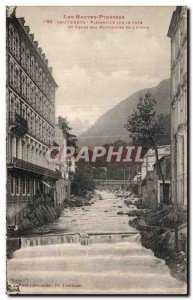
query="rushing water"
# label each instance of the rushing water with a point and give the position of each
(99, 217)
(90, 250)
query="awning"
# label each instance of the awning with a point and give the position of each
(46, 184)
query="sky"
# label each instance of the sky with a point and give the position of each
(96, 69)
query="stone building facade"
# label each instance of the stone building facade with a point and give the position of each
(150, 159)
(151, 190)
(178, 35)
(63, 186)
(30, 120)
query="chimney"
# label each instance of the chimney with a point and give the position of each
(40, 50)
(13, 14)
(43, 56)
(27, 29)
(36, 43)
(21, 21)
(31, 36)
(50, 69)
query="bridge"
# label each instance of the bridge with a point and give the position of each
(112, 183)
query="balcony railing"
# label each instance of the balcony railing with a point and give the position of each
(18, 123)
(30, 167)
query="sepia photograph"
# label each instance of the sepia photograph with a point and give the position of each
(97, 150)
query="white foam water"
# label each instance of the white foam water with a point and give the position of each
(98, 262)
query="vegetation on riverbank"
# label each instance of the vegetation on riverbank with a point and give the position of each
(78, 201)
(158, 234)
(82, 184)
(43, 213)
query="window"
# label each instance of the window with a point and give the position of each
(24, 186)
(11, 38)
(32, 66)
(12, 184)
(32, 95)
(41, 106)
(11, 72)
(181, 163)
(17, 106)
(36, 98)
(32, 154)
(18, 78)
(36, 157)
(34, 187)
(10, 148)
(40, 78)
(28, 61)
(181, 155)
(23, 85)
(52, 94)
(36, 126)
(29, 121)
(22, 150)
(28, 90)
(46, 86)
(23, 111)
(40, 129)
(16, 149)
(33, 123)
(28, 154)
(14, 42)
(43, 82)
(36, 72)
(17, 188)
(17, 47)
(37, 101)
(28, 186)
(23, 56)
(40, 158)
(11, 110)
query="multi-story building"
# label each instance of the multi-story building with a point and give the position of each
(150, 159)
(178, 35)
(151, 185)
(30, 117)
(63, 184)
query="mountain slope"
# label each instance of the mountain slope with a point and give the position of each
(110, 126)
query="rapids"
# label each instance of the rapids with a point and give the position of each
(90, 250)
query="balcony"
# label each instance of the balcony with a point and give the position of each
(18, 124)
(29, 167)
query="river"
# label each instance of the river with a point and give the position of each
(90, 250)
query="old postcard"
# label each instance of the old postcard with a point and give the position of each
(96, 135)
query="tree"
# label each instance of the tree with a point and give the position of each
(144, 127)
(82, 183)
(64, 126)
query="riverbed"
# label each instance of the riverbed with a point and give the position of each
(102, 255)
(99, 217)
